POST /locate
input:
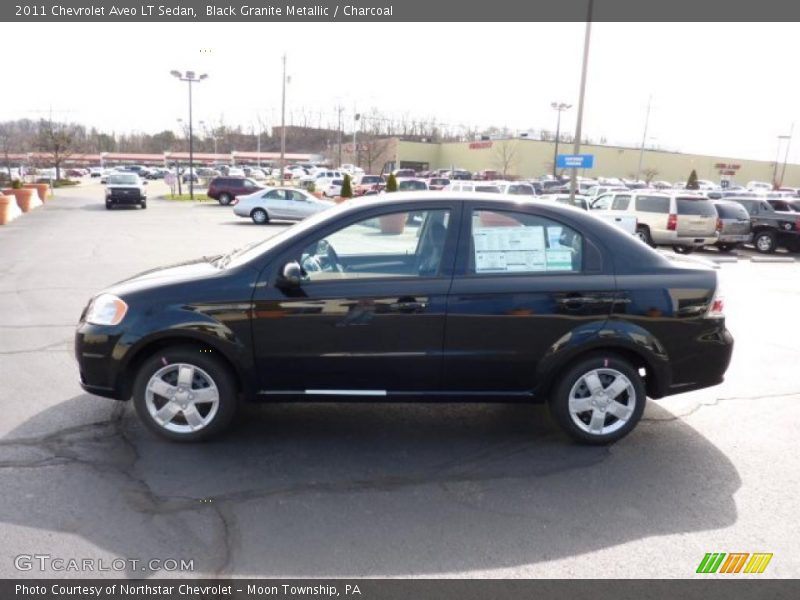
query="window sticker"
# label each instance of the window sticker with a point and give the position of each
(509, 249)
(559, 260)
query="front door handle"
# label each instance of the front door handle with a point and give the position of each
(408, 305)
(577, 301)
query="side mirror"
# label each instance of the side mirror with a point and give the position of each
(292, 274)
(145, 182)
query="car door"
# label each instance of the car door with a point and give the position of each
(524, 284)
(299, 205)
(368, 316)
(277, 204)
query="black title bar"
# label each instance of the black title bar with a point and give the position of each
(399, 10)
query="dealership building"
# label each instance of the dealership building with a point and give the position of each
(529, 158)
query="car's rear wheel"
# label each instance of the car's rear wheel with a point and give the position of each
(225, 199)
(259, 216)
(598, 400)
(108, 205)
(726, 247)
(683, 249)
(643, 233)
(143, 204)
(185, 394)
(765, 242)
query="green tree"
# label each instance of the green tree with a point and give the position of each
(391, 183)
(691, 183)
(347, 187)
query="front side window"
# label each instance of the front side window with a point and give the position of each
(512, 242)
(603, 202)
(620, 202)
(400, 244)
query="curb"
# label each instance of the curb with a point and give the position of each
(772, 259)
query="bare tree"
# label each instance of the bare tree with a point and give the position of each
(10, 141)
(649, 174)
(372, 151)
(505, 156)
(58, 140)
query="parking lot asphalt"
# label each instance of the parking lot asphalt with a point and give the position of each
(349, 489)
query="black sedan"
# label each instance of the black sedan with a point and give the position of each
(478, 297)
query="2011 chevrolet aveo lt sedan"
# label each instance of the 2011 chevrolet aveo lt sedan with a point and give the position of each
(415, 296)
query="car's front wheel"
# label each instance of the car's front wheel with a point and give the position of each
(683, 249)
(598, 400)
(259, 216)
(185, 394)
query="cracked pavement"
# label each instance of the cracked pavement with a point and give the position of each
(355, 489)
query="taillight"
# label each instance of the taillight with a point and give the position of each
(797, 224)
(719, 224)
(716, 310)
(672, 223)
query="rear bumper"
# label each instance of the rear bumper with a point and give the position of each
(673, 238)
(706, 367)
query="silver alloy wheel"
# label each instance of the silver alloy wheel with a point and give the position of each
(764, 243)
(259, 216)
(602, 401)
(182, 398)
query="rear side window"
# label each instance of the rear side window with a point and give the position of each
(521, 190)
(699, 208)
(512, 242)
(731, 211)
(653, 204)
(620, 202)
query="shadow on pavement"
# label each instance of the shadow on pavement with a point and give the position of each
(363, 489)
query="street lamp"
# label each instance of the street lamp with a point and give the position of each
(559, 107)
(190, 77)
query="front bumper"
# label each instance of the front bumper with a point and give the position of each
(99, 367)
(134, 197)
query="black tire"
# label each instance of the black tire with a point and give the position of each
(225, 199)
(765, 242)
(199, 358)
(726, 247)
(643, 233)
(108, 205)
(259, 216)
(683, 249)
(560, 399)
(143, 204)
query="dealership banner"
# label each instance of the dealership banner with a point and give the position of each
(399, 589)
(266, 11)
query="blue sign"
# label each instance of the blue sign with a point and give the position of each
(575, 161)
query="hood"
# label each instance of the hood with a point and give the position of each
(184, 272)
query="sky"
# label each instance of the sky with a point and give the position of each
(727, 89)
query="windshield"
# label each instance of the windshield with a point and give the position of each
(123, 179)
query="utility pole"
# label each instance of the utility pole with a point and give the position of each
(574, 179)
(786, 155)
(283, 119)
(644, 137)
(340, 108)
(356, 118)
(560, 107)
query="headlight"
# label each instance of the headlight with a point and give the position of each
(106, 309)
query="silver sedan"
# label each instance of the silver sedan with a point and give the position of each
(283, 204)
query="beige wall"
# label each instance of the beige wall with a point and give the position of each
(533, 158)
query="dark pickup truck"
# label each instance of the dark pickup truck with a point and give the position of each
(772, 229)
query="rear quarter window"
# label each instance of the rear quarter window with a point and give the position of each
(700, 208)
(731, 211)
(653, 204)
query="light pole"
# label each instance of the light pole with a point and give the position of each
(777, 160)
(283, 119)
(786, 155)
(573, 183)
(190, 77)
(644, 137)
(559, 107)
(356, 118)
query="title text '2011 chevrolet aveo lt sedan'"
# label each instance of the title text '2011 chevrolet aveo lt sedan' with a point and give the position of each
(413, 297)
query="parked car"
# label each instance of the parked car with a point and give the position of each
(472, 186)
(125, 188)
(398, 173)
(225, 189)
(96, 172)
(330, 309)
(368, 183)
(515, 188)
(733, 227)
(438, 183)
(759, 186)
(286, 204)
(784, 205)
(411, 185)
(771, 229)
(330, 187)
(622, 220)
(682, 220)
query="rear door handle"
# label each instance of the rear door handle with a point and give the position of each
(408, 305)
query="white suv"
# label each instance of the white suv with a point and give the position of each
(683, 220)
